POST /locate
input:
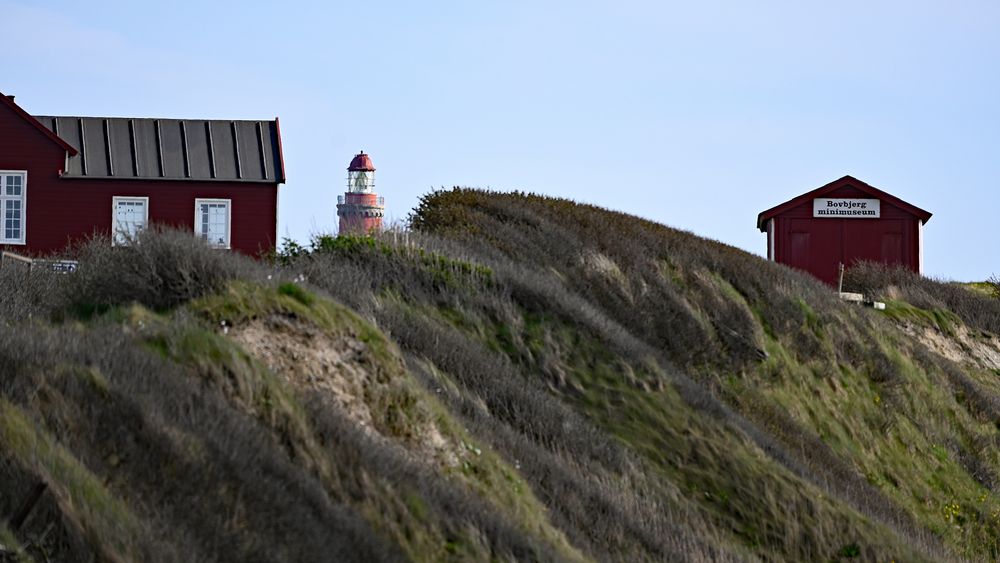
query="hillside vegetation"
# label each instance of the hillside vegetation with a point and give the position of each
(513, 377)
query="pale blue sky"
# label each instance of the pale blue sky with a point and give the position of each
(698, 115)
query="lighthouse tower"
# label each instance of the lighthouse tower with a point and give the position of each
(360, 209)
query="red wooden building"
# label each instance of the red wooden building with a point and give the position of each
(844, 222)
(65, 178)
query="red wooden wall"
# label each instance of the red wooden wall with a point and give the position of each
(61, 210)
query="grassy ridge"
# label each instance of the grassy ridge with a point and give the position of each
(515, 377)
(838, 383)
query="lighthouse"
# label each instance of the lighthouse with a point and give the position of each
(360, 209)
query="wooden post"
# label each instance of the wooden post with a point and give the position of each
(840, 283)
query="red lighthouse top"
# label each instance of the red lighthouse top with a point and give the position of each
(361, 162)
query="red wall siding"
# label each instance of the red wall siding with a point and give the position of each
(59, 211)
(819, 245)
(76, 208)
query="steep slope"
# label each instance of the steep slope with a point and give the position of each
(845, 400)
(514, 378)
(196, 434)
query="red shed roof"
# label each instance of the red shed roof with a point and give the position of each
(361, 161)
(9, 102)
(764, 216)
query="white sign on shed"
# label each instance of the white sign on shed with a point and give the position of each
(847, 208)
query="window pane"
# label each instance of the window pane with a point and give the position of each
(217, 224)
(130, 219)
(12, 219)
(11, 207)
(214, 223)
(204, 221)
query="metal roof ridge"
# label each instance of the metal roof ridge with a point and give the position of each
(74, 177)
(273, 120)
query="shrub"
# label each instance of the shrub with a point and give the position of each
(976, 309)
(28, 294)
(161, 269)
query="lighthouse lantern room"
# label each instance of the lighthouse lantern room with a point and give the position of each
(360, 209)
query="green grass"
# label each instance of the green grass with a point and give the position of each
(101, 515)
(389, 397)
(9, 541)
(400, 407)
(271, 399)
(493, 478)
(350, 244)
(739, 490)
(296, 292)
(890, 436)
(244, 380)
(725, 474)
(984, 288)
(675, 381)
(940, 319)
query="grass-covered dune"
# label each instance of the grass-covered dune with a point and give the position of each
(512, 378)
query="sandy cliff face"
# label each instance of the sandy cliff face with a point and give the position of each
(964, 346)
(340, 369)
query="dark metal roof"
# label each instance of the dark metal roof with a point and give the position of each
(361, 161)
(171, 149)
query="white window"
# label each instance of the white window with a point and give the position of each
(13, 185)
(129, 217)
(212, 221)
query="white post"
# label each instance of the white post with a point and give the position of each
(920, 247)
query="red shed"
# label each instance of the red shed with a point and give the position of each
(66, 178)
(844, 222)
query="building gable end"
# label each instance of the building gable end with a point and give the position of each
(6, 101)
(846, 181)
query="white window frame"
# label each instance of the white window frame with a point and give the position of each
(114, 215)
(23, 198)
(229, 220)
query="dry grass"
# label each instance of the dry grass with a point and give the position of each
(597, 387)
